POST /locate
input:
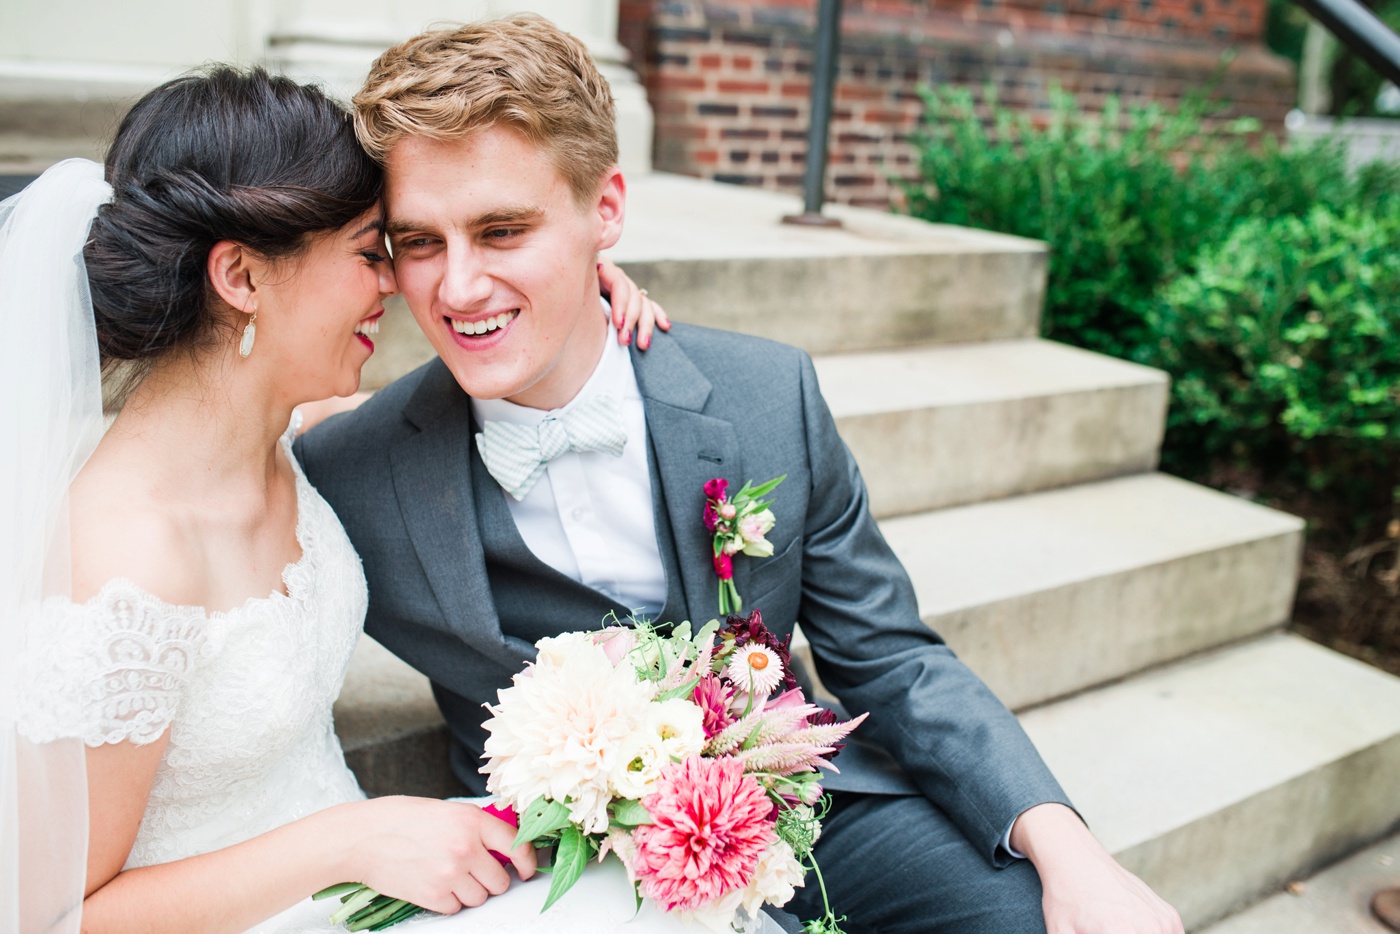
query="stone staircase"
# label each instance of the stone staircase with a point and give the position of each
(1132, 619)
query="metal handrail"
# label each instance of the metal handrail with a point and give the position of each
(828, 48)
(1360, 30)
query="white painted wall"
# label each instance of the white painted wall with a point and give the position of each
(93, 48)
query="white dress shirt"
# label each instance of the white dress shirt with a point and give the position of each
(590, 516)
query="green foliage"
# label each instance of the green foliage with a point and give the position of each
(1285, 28)
(1261, 278)
(1285, 341)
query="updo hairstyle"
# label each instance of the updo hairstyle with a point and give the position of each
(223, 154)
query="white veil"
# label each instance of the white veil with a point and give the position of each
(50, 421)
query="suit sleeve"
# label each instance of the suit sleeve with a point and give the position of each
(960, 745)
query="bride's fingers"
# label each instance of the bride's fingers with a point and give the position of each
(491, 875)
(652, 314)
(498, 836)
(471, 893)
(447, 904)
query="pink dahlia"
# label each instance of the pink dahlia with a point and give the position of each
(713, 697)
(711, 826)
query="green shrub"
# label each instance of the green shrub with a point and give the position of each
(1284, 343)
(1207, 250)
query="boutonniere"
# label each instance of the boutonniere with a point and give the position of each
(739, 524)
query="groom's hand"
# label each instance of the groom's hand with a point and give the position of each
(1086, 891)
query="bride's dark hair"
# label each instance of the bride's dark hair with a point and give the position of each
(224, 154)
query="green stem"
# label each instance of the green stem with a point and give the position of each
(360, 900)
(382, 914)
(403, 914)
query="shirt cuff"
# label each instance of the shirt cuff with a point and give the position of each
(1006, 838)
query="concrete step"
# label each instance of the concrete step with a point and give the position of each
(1220, 778)
(389, 726)
(1336, 900)
(944, 425)
(719, 255)
(47, 115)
(1051, 593)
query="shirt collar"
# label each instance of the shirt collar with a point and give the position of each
(612, 376)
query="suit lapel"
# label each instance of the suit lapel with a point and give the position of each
(433, 484)
(690, 448)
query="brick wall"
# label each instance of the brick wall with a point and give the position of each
(730, 80)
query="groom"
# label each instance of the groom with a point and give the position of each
(500, 148)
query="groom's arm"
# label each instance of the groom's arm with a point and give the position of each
(960, 745)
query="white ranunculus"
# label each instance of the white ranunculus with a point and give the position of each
(641, 757)
(774, 878)
(558, 730)
(679, 725)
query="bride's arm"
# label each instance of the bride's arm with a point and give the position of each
(432, 853)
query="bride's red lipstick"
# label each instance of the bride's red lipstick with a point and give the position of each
(370, 320)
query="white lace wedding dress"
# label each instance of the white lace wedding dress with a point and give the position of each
(246, 695)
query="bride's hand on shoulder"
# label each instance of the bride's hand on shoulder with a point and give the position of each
(631, 306)
(436, 854)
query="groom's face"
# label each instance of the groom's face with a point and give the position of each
(497, 260)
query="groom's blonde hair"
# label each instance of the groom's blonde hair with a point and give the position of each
(522, 71)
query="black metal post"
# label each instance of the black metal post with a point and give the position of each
(823, 90)
(1359, 29)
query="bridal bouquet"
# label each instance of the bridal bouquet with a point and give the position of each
(694, 759)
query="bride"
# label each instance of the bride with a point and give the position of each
(200, 606)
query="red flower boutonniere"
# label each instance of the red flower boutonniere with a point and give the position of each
(739, 525)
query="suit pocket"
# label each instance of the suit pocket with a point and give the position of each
(774, 584)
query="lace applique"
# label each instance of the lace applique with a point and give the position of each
(113, 668)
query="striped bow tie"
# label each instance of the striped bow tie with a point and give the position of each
(516, 455)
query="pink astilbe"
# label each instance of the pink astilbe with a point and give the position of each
(711, 826)
(785, 758)
(768, 725)
(712, 696)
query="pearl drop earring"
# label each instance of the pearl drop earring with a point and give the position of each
(250, 333)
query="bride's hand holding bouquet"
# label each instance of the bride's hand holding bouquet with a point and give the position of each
(440, 855)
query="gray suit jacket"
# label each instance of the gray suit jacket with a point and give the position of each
(397, 472)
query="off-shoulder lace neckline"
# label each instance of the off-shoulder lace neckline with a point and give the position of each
(293, 573)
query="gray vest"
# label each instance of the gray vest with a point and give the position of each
(532, 599)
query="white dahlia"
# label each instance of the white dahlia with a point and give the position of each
(558, 731)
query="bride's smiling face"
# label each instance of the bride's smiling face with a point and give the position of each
(318, 317)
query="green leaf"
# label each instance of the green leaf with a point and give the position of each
(570, 857)
(706, 633)
(763, 490)
(337, 890)
(629, 813)
(682, 690)
(540, 818)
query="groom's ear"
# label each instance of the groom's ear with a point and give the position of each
(230, 270)
(611, 206)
